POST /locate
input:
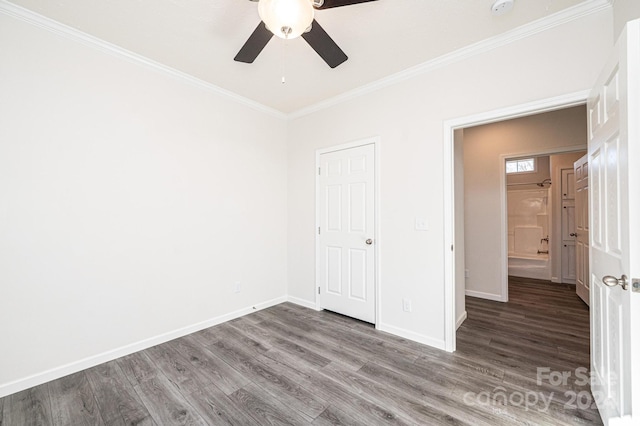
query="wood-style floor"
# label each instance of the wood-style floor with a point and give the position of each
(291, 365)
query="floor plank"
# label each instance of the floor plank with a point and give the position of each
(137, 367)
(29, 407)
(166, 404)
(265, 411)
(118, 402)
(216, 408)
(219, 373)
(240, 356)
(73, 401)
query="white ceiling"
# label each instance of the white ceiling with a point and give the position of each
(201, 37)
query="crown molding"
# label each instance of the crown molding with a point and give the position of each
(567, 15)
(76, 35)
(570, 14)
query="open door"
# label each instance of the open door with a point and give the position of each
(614, 156)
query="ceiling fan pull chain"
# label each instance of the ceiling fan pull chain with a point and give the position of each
(284, 58)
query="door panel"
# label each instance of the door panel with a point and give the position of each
(569, 262)
(357, 207)
(581, 168)
(358, 276)
(568, 255)
(568, 220)
(346, 216)
(334, 208)
(568, 184)
(334, 270)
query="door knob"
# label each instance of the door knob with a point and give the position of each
(369, 241)
(573, 234)
(611, 281)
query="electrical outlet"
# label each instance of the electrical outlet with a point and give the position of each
(237, 287)
(406, 305)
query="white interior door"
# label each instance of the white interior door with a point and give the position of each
(614, 156)
(568, 256)
(346, 234)
(581, 172)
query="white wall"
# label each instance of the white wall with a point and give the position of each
(131, 201)
(408, 117)
(483, 148)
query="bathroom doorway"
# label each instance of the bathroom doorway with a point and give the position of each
(540, 215)
(528, 186)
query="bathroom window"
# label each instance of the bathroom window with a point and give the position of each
(523, 165)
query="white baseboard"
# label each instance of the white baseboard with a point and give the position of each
(92, 361)
(483, 295)
(303, 302)
(416, 337)
(461, 319)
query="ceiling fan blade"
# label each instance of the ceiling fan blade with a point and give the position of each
(328, 4)
(324, 45)
(254, 45)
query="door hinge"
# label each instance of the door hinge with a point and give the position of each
(451, 247)
(318, 290)
(318, 230)
(319, 171)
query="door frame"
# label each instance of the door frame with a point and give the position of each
(449, 126)
(375, 141)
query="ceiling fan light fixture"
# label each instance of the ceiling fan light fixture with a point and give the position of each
(286, 18)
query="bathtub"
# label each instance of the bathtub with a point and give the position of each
(530, 266)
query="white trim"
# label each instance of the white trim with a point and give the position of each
(461, 319)
(302, 302)
(448, 184)
(76, 35)
(543, 105)
(375, 141)
(407, 334)
(76, 366)
(564, 16)
(487, 296)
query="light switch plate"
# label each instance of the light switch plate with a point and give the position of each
(422, 224)
(406, 305)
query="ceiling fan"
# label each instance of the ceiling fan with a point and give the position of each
(292, 18)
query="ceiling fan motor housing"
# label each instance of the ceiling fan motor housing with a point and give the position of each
(286, 18)
(292, 20)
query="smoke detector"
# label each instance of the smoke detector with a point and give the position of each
(500, 7)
